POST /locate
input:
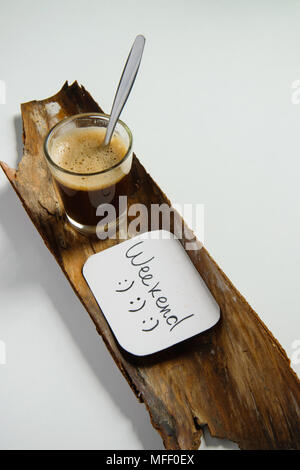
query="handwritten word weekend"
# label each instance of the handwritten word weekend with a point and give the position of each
(137, 259)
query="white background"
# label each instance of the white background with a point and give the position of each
(213, 123)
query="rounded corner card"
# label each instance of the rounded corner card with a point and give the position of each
(150, 293)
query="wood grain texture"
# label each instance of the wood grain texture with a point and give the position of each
(236, 378)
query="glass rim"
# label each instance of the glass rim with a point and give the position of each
(72, 118)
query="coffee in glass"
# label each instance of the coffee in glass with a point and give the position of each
(87, 174)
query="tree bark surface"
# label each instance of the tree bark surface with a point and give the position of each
(236, 378)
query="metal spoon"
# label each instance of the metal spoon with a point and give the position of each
(127, 80)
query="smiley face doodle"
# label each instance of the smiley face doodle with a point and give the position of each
(124, 285)
(152, 327)
(138, 302)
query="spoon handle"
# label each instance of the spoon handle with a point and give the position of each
(127, 80)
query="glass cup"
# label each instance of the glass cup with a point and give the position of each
(86, 197)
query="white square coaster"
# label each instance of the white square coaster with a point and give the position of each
(150, 293)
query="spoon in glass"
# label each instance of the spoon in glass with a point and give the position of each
(126, 82)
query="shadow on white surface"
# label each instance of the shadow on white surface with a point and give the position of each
(18, 125)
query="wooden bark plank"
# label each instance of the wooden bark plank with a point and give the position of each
(236, 378)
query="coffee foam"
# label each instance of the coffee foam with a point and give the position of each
(80, 151)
